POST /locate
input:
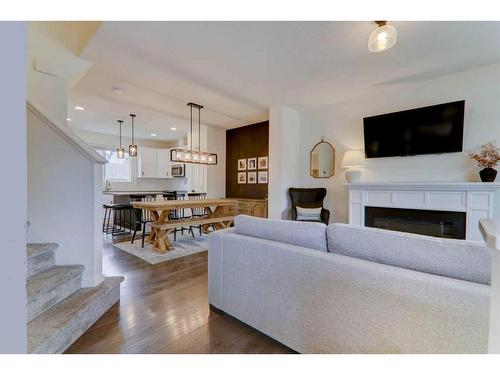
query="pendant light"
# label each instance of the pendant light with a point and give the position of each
(190, 156)
(383, 37)
(120, 151)
(132, 148)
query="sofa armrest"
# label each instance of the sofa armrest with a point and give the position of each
(215, 257)
(325, 216)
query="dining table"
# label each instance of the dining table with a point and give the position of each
(218, 214)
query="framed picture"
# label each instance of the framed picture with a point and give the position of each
(242, 165)
(262, 177)
(242, 178)
(252, 178)
(263, 162)
(252, 164)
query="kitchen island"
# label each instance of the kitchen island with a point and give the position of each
(123, 197)
(128, 218)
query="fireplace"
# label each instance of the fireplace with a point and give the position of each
(446, 224)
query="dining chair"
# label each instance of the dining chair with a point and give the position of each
(197, 211)
(142, 217)
(177, 214)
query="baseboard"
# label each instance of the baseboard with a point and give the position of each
(216, 310)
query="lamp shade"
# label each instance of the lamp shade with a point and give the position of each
(353, 158)
(382, 38)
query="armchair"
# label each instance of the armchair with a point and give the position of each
(309, 198)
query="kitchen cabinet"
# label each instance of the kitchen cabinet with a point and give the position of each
(154, 163)
(197, 177)
(164, 165)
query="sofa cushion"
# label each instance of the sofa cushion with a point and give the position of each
(458, 259)
(305, 234)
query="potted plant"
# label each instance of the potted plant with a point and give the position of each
(487, 158)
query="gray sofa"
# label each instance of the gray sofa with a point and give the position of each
(350, 289)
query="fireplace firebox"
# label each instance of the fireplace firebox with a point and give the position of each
(446, 224)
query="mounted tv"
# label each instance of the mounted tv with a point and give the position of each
(435, 129)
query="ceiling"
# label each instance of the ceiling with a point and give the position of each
(237, 70)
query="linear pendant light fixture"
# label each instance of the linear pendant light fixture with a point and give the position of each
(132, 149)
(120, 151)
(189, 156)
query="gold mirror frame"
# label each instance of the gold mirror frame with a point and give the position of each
(311, 159)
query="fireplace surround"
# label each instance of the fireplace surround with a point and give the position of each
(475, 200)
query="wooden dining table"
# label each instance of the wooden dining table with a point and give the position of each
(218, 215)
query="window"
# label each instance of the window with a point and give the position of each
(115, 169)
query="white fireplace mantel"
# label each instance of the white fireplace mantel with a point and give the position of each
(476, 199)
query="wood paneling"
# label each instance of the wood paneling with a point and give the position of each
(250, 141)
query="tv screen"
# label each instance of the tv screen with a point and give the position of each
(429, 130)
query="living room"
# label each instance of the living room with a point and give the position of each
(256, 187)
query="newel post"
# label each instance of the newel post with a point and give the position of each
(490, 229)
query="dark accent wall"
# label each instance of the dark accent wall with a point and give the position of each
(246, 142)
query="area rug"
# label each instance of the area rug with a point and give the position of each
(185, 245)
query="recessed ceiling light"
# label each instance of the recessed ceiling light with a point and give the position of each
(78, 108)
(153, 134)
(173, 128)
(118, 90)
(68, 119)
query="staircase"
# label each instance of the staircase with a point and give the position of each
(59, 309)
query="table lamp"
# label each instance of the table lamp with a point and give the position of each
(353, 160)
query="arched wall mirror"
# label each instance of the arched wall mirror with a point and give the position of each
(322, 160)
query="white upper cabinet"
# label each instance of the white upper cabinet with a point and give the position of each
(147, 162)
(197, 177)
(164, 167)
(154, 163)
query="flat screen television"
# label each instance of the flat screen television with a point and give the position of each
(429, 130)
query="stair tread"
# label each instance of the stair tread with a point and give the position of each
(50, 279)
(53, 320)
(35, 249)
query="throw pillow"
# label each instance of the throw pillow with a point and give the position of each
(308, 214)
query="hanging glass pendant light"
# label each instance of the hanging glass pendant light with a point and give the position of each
(132, 148)
(383, 37)
(180, 155)
(120, 151)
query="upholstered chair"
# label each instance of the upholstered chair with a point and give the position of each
(309, 198)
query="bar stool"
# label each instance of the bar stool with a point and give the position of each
(119, 212)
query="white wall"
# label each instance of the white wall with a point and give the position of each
(62, 199)
(284, 158)
(13, 328)
(342, 125)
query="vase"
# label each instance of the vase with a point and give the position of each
(488, 174)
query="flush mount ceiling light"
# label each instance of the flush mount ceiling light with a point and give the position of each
(153, 134)
(383, 37)
(68, 119)
(118, 90)
(79, 108)
(189, 156)
(120, 151)
(132, 148)
(173, 128)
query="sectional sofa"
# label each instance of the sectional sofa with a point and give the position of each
(351, 289)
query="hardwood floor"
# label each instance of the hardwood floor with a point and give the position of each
(164, 309)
